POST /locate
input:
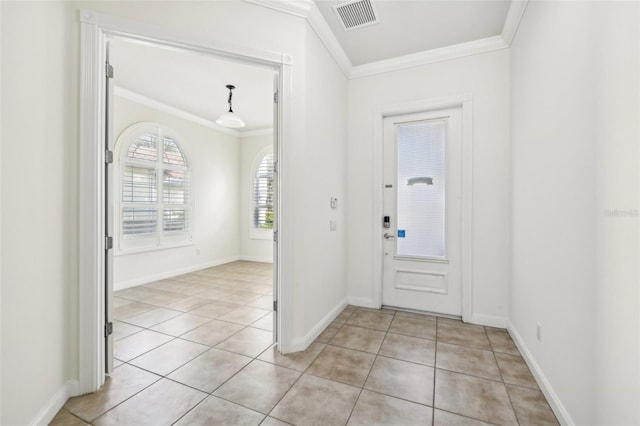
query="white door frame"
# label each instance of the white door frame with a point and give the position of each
(95, 28)
(463, 101)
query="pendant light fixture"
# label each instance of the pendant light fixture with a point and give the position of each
(230, 118)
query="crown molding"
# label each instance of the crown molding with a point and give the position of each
(177, 112)
(308, 10)
(429, 56)
(512, 21)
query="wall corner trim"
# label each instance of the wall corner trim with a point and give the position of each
(55, 403)
(545, 386)
(302, 343)
(512, 21)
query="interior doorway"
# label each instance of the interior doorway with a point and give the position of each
(191, 206)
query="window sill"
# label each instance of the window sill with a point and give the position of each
(137, 250)
(257, 234)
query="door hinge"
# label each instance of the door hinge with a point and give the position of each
(275, 167)
(275, 236)
(108, 242)
(108, 329)
(275, 305)
(275, 97)
(108, 157)
(108, 70)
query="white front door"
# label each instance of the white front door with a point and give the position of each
(422, 179)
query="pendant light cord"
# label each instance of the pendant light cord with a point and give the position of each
(229, 101)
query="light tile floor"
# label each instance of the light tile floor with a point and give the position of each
(196, 349)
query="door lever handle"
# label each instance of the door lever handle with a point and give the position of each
(387, 235)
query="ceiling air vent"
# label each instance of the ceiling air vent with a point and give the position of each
(356, 14)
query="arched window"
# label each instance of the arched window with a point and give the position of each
(263, 195)
(154, 206)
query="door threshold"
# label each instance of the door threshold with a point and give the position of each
(417, 311)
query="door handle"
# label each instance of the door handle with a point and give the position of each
(387, 235)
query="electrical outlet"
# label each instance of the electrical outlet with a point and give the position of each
(539, 331)
(333, 225)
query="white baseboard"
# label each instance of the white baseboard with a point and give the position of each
(552, 397)
(55, 403)
(257, 259)
(489, 320)
(361, 301)
(172, 273)
(302, 343)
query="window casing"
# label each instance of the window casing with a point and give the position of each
(153, 204)
(262, 213)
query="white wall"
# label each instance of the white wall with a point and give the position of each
(320, 275)
(36, 233)
(257, 247)
(486, 77)
(574, 106)
(214, 162)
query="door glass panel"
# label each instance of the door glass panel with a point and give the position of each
(421, 188)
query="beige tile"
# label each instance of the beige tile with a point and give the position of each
(464, 336)
(258, 386)
(444, 418)
(181, 324)
(473, 397)
(531, 407)
(162, 403)
(135, 293)
(501, 342)
(152, 317)
(515, 371)
(122, 330)
(264, 302)
(458, 323)
(462, 359)
(265, 323)
(329, 332)
(189, 304)
(118, 302)
(216, 411)
(270, 421)
(402, 379)
(183, 288)
(423, 328)
(250, 342)
(137, 344)
(131, 309)
(416, 315)
(358, 338)
(239, 297)
(117, 363)
(65, 418)
(214, 309)
(298, 360)
(124, 382)
(163, 298)
(408, 348)
(212, 332)
(375, 409)
(169, 356)
(342, 365)
(244, 315)
(316, 401)
(344, 316)
(210, 370)
(368, 319)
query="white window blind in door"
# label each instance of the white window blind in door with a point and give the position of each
(263, 194)
(421, 189)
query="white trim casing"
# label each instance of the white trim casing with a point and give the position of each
(57, 401)
(512, 21)
(302, 343)
(552, 397)
(465, 102)
(94, 30)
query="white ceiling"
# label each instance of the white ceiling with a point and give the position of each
(194, 83)
(412, 26)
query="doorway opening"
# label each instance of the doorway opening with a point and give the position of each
(190, 206)
(96, 163)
